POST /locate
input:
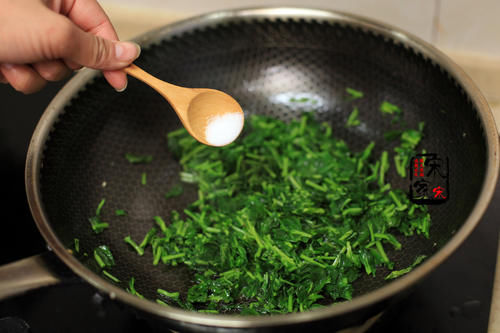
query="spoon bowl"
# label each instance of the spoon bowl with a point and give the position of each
(214, 117)
(211, 116)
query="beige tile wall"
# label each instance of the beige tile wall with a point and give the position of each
(415, 16)
(462, 25)
(466, 25)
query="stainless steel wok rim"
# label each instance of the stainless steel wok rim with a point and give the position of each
(34, 163)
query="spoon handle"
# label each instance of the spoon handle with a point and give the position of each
(164, 88)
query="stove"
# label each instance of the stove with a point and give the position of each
(456, 297)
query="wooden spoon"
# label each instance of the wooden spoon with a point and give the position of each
(211, 116)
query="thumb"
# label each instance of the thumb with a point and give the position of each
(96, 52)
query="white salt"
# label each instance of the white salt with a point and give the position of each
(224, 129)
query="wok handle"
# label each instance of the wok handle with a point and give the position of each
(30, 273)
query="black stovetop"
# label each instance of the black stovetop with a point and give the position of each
(455, 298)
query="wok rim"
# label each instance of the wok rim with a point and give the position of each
(34, 163)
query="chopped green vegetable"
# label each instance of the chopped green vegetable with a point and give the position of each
(143, 178)
(110, 276)
(401, 164)
(175, 191)
(389, 108)
(134, 245)
(354, 94)
(97, 225)
(147, 239)
(165, 293)
(99, 207)
(384, 166)
(303, 100)
(135, 159)
(409, 140)
(103, 256)
(159, 301)
(353, 118)
(285, 216)
(159, 221)
(131, 288)
(120, 212)
(77, 245)
(396, 274)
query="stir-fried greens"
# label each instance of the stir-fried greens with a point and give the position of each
(286, 219)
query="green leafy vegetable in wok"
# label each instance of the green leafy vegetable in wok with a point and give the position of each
(389, 108)
(175, 191)
(120, 212)
(76, 245)
(353, 120)
(103, 256)
(354, 94)
(98, 226)
(110, 276)
(131, 288)
(396, 274)
(286, 219)
(136, 159)
(137, 248)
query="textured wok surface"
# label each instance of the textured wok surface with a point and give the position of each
(262, 64)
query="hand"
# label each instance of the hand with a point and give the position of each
(45, 40)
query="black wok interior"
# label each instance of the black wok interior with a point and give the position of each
(263, 64)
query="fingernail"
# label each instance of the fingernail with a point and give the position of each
(127, 51)
(122, 89)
